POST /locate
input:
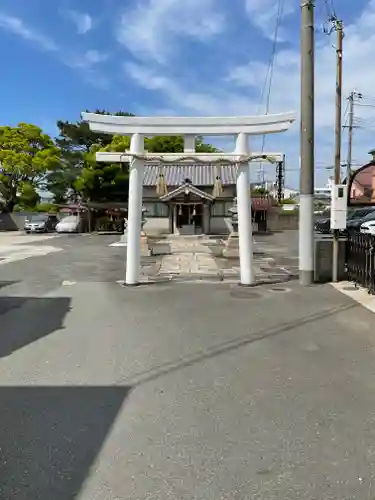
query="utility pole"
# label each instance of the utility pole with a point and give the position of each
(338, 27)
(280, 180)
(350, 136)
(306, 216)
(351, 99)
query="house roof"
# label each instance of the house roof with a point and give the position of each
(199, 175)
(187, 188)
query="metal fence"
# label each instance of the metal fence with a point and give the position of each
(360, 260)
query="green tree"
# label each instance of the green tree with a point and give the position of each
(259, 191)
(78, 138)
(174, 144)
(75, 141)
(101, 182)
(60, 183)
(26, 155)
(27, 197)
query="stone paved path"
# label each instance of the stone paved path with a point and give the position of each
(196, 258)
(189, 257)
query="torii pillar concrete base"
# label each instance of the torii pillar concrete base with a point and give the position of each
(144, 244)
(232, 246)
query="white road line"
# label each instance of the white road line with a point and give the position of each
(14, 253)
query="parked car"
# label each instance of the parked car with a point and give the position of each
(368, 227)
(42, 223)
(355, 223)
(69, 224)
(324, 225)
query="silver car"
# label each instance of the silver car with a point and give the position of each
(42, 223)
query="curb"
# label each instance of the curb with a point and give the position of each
(356, 293)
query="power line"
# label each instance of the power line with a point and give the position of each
(352, 99)
(346, 115)
(331, 11)
(367, 97)
(366, 105)
(270, 71)
(316, 168)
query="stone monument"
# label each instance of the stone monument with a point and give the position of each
(232, 244)
(145, 249)
(144, 246)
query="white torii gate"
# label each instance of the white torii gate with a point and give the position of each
(189, 127)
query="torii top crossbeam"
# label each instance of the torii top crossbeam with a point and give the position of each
(189, 125)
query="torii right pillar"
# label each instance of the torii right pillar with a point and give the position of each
(245, 233)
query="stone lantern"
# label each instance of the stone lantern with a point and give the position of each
(143, 220)
(233, 210)
(232, 244)
(144, 241)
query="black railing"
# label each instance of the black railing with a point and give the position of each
(360, 260)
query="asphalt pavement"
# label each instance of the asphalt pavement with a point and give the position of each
(179, 390)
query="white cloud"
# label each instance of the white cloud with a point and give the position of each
(263, 13)
(87, 60)
(357, 58)
(97, 80)
(358, 72)
(85, 63)
(239, 92)
(151, 28)
(82, 21)
(210, 101)
(17, 26)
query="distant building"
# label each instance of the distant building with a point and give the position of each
(324, 193)
(362, 184)
(289, 193)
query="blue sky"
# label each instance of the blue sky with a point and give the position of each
(181, 57)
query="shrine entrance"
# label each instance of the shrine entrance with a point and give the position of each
(189, 127)
(189, 218)
(189, 209)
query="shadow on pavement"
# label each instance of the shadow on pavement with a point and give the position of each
(50, 437)
(30, 319)
(3, 284)
(232, 345)
(7, 223)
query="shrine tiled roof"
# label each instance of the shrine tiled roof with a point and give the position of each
(199, 175)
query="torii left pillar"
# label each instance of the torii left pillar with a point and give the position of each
(136, 173)
(245, 233)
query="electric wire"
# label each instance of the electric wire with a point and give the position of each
(270, 72)
(331, 11)
(346, 116)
